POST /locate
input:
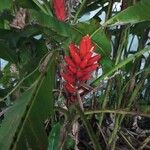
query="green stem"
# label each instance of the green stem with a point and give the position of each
(112, 138)
(106, 99)
(124, 36)
(78, 11)
(120, 118)
(118, 66)
(127, 141)
(63, 111)
(117, 111)
(109, 12)
(89, 129)
(146, 141)
(129, 49)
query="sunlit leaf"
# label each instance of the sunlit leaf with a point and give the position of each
(133, 14)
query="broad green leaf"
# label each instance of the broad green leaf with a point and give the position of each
(50, 22)
(133, 14)
(5, 4)
(12, 120)
(54, 137)
(41, 107)
(23, 125)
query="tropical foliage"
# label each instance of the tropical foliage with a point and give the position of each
(76, 74)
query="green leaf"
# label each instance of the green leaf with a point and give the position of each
(13, 36)
(6, 4)
(48, 21)
(6, 53)
(26, 4)
(54, 137)
(1, 23)
(26, 118)
(12, 120)
(41, 107)
(70, 143)
(133, 14)
(120, 65)
(144, 108)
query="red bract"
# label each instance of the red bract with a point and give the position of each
(79, 66)
(60, 9)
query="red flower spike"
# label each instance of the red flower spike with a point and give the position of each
(93, 59)
(68, 78)
(85, 60)
(60, 9)
(85, 45)
(69, 61)
(83, 63)
(80, 74)
(67, 71)
(73, 70)
(91, 68)
(74, 54)
(85, 78)
(79, 67)
(70, 88)
(88, 55)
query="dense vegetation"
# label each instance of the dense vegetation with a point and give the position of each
(113, 112)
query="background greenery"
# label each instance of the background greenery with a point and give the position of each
(32, 107)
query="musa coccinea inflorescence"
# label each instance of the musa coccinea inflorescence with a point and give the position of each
(79, 66)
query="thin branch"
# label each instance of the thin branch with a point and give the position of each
(146, 141)
(117, 111)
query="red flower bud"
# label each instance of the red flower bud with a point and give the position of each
(69, 61)
(83, 63)
(85, 78)
(59, 9)
(85, 45)
(74, 54)
(68, 78)
(70, 88)
(88, 55)
(91, 68)
(80, 73)
(93, 59)
(85, 60)
(73, 70)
